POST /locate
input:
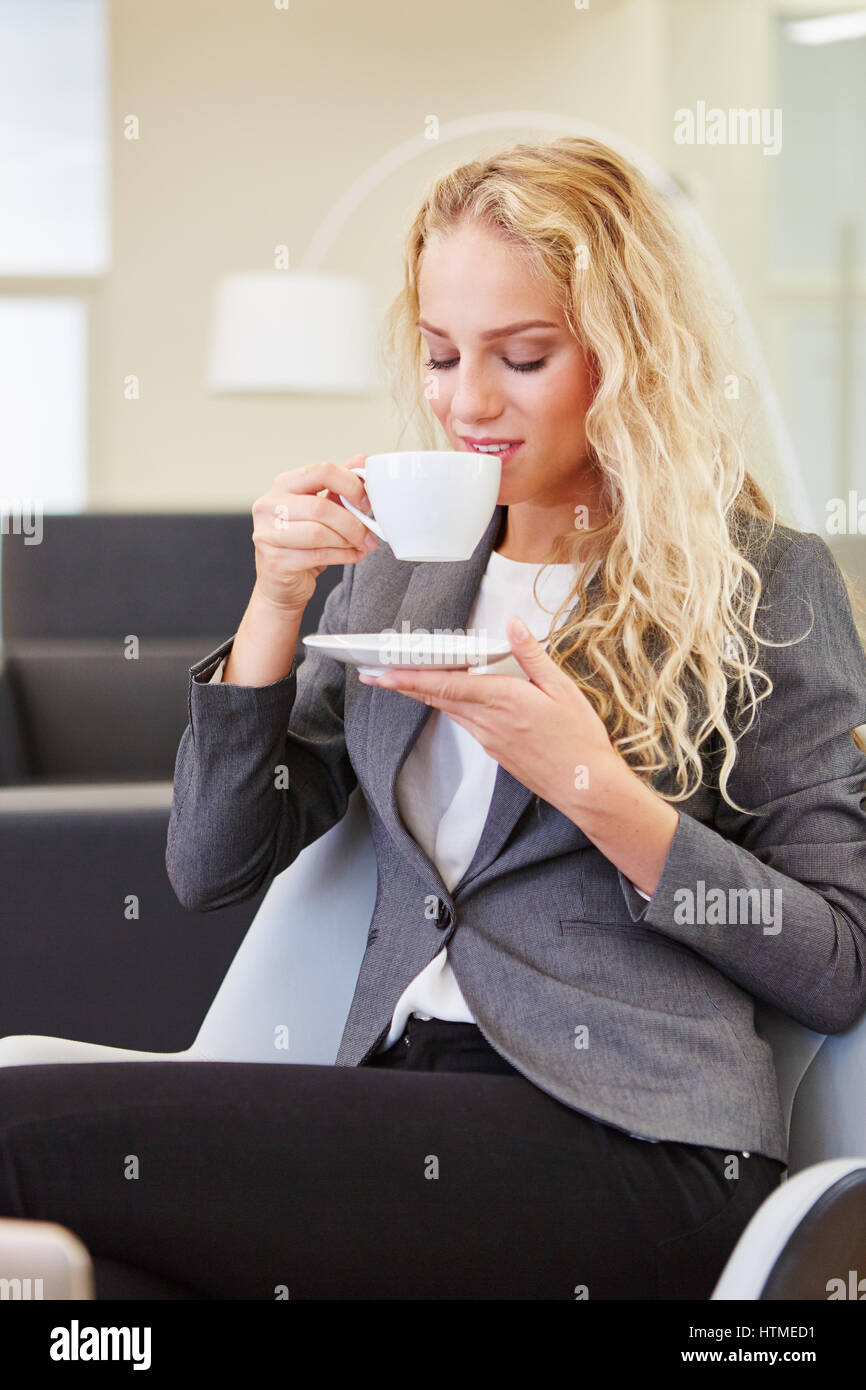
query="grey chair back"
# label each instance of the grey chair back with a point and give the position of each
(100, 623)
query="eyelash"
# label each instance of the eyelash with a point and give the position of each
(515, 366)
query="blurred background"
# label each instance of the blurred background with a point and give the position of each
(147, 152)
(203, 210)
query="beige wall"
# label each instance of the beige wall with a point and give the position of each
(253, 121)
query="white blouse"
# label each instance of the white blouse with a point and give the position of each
(446, 782)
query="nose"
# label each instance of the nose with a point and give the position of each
(475, 397)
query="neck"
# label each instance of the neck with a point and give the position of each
(529, 537)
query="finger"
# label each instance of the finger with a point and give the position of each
(446, 706)
(457, 686)
(319, 555)
(310, 521)
(352, 465)
(441, 698)
(533, 659)
(315, 477)
(350, 487)
(331, 512)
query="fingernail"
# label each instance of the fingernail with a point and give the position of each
(370, 542)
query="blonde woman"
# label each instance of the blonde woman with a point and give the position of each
(551, 1085)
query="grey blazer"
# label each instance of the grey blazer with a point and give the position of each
(637, 1012)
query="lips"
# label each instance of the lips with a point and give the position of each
(487, 439)
(503, 455)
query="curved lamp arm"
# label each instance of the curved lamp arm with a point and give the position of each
(376, 173)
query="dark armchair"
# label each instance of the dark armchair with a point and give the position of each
(88, 741)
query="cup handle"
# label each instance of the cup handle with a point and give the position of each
(362, 516)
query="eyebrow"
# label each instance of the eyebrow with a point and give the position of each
(495, 332)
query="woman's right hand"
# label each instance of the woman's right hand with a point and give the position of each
(297, 532)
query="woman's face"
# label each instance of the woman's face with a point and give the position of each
(472, 286)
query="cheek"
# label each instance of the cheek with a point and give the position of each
(565, 399)
(548, 399)
(440, 399)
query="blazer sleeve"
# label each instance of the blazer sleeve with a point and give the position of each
(792, 925)
(261, 771)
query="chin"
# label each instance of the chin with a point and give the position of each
(511, 492)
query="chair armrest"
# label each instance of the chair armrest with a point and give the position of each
(43, 1260)
(93, 942)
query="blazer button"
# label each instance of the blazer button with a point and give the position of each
(443, 915)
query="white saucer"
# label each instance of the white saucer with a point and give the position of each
(376, 652)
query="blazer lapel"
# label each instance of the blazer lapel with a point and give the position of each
(439, 596)
(507, 804)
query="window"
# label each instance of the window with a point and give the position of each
(53, 243)
(53, 169)
(43, 403)
(818, 259)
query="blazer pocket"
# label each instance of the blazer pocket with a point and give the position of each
(634, 931)
(596, 899)
(636, 966)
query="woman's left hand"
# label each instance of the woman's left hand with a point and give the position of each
(543, 731)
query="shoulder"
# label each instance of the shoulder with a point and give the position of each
(766, 543)
(805, 601)
(788, 560)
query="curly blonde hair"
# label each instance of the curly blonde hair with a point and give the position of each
(678, 544)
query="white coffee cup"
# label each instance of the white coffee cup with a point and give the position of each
(430, 504)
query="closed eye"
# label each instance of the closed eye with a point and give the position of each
(515, 366)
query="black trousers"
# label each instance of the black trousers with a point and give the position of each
(436, 1171)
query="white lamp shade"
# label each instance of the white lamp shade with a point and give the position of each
(300, 331)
